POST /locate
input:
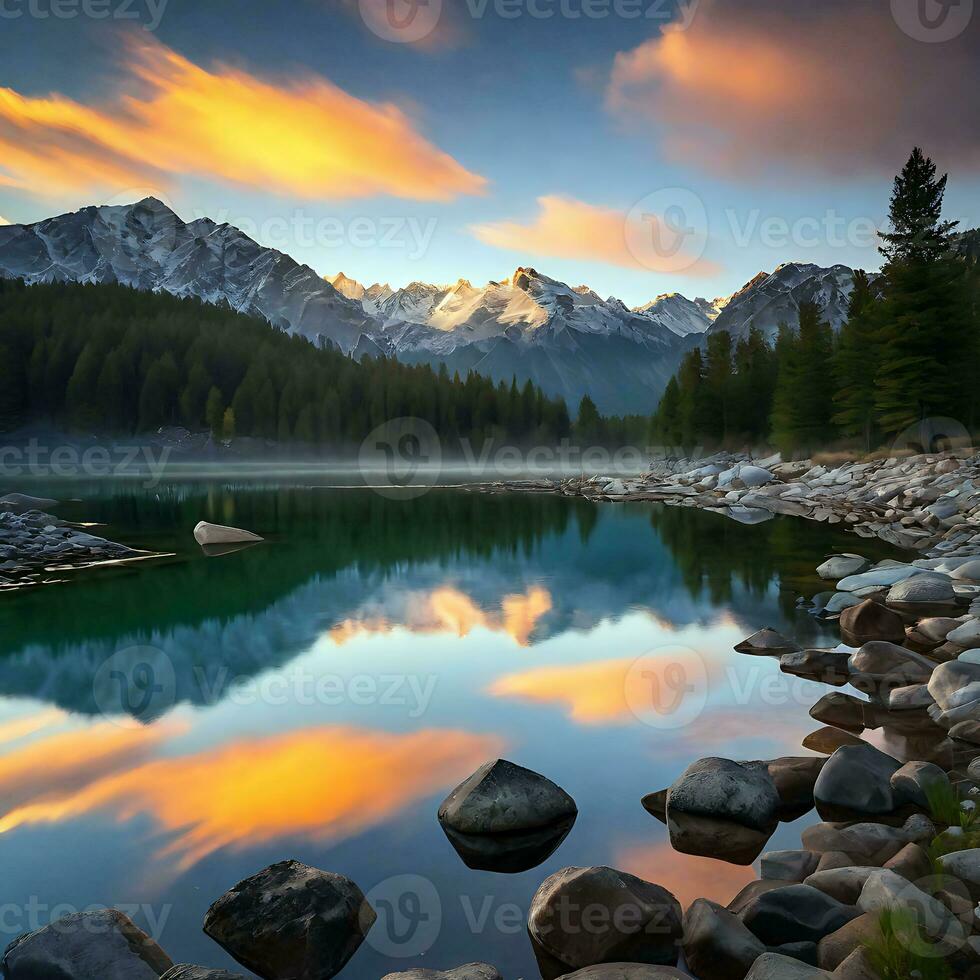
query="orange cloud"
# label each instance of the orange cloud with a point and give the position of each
(832, 87)
(687, 877)
(305, 137)
(569, 229)
(447, 610)
(18, 728)
(323, 783)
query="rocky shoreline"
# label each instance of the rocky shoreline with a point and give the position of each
(929, 503)
(35, 545)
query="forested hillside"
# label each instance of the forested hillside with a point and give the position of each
(910, 348)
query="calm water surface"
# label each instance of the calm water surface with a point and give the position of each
(172, 727)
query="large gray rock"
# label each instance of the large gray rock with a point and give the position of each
(824, 666)
(937, 628)
(723, 809)
(967, 635)
(888, 890)
(471, 971)
(101, 945)
(21, 503)
(796, 913)
(841, 566)
(856, 781)
(968, 572)
(956, 688)
(788, 865)
(843, 884)
(506, 818)
(717, 944)
(775, 966)
(583, 917)
(883, 576)
(865, 843)
(210, 534)
(930, 588)
(914, 780)
(291, 922)
(186, 972)
(964, 867)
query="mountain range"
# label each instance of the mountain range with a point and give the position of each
(569, 340)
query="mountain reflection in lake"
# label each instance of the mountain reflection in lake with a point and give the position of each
(316, 696)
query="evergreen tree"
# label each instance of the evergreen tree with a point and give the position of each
(215, 412)
(856, 364)
(228, 428)
(587, 425)
(717, 384)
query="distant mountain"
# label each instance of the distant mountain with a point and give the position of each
(145, 245)
(774, 298)
(567, 339)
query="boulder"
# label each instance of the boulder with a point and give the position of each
(789, 865)
(964, 867)
(857, 966)
(836, 947)
(717, 944)
(21, 503)
(937, 628)
(829, 740)
(929, 589)
(843, 884)
(966, 635)
(866, 843)
(582, 917)
(767, 643)
(291, 922)
(656, 804)
(187, 972)
(968, 572)
(831, 860)
(956, 689)
(794, 778)
(775, 966)
(723, 809)
(915, 697)
(912, 782)
(886, 890)
(824, 666)
(880, 577)
(99, 945)
(911, 862)
(753, 890)
(795, 913)
(506, 818)
(471, 971)
(871, 621)
(837, 567)
(216, 534)
(966, 731)
(845, 711)
(856, 781)
(879, 658)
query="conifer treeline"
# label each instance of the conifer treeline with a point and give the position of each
(910, 348)
(112, 359)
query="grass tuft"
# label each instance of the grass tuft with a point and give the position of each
(900, 950)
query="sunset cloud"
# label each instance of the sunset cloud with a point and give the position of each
(639, 239)
(302, 136)
(324, 784)
(752, 85)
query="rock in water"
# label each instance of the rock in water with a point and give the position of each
(208, 534)
(471, 971)
(767, 643)
(506, 818)
(184, 971)
(583, 917)
(871, 621)
(20, 503)
(930, 589)
(855, 782)
(722, 809)
(102, 945)
(837, 567)
(291, 922)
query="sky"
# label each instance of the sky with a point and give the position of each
(636, 146)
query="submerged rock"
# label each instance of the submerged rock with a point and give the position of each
(582, 917)
(506, 818)
(767, 643)
(217, 534)
(101, 945)
(291, 922)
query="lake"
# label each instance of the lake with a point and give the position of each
(168, 728)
